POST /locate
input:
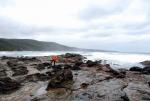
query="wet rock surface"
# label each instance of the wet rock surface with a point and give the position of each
(20, 70)
(43, 66)
(60, 78)
(138, 92)
(8, 85)
(17, 68)
(35, 79)
(2, 71)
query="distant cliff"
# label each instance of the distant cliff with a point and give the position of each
(31, 45)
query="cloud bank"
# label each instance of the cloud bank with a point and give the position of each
(121, 25)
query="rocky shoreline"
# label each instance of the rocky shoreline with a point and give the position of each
(72, 79)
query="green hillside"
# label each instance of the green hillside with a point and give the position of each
(31, 45)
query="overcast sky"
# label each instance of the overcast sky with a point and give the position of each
(121, 25)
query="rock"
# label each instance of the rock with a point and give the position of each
(99, 61)
(72, 58)
(43, 66)
(67, 75)
(12, 63)
(40, 67)
(20, 79)
(6, 57)
(137, 92)
(2, 71)
(28, 59)
(137, 69)
(7, 85)
(59, 79)
(146, 70)
(76, 67)
(47, 64)
(84, 85)
(145, 63)
(57, 67)
(149, 83)
(49, 73)
(3, 74)
(123, 71)
(115, 73)
(17, 68)
(54, 83)
(70, 55)
(109, 90)
(91, 63)
(20, 70)
(67, 66)
(37, 77)
(78, 63)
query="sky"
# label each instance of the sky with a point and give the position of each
(120, 25)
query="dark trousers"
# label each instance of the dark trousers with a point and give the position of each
(52, 61)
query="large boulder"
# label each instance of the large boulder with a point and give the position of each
(67, 75)
(60, 78)
(8, 85)
(70, 55)
(137, 69)
(71, 58)
(145, 63)
(146, 70)
(91, 63)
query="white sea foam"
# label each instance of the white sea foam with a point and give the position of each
(117, 60)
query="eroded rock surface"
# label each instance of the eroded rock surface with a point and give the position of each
(138, 92)
(27, 78)
(60, 78)
(8, 85)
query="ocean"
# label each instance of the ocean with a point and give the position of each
(115, 59)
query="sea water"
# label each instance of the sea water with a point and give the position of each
(115, 59)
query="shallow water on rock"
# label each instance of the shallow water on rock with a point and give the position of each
(41, 91)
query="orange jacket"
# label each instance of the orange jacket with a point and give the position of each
(55, 58)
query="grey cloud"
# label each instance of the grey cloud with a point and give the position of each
(9, 28)
(95, 11)
(136, 26)
(4, 3)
